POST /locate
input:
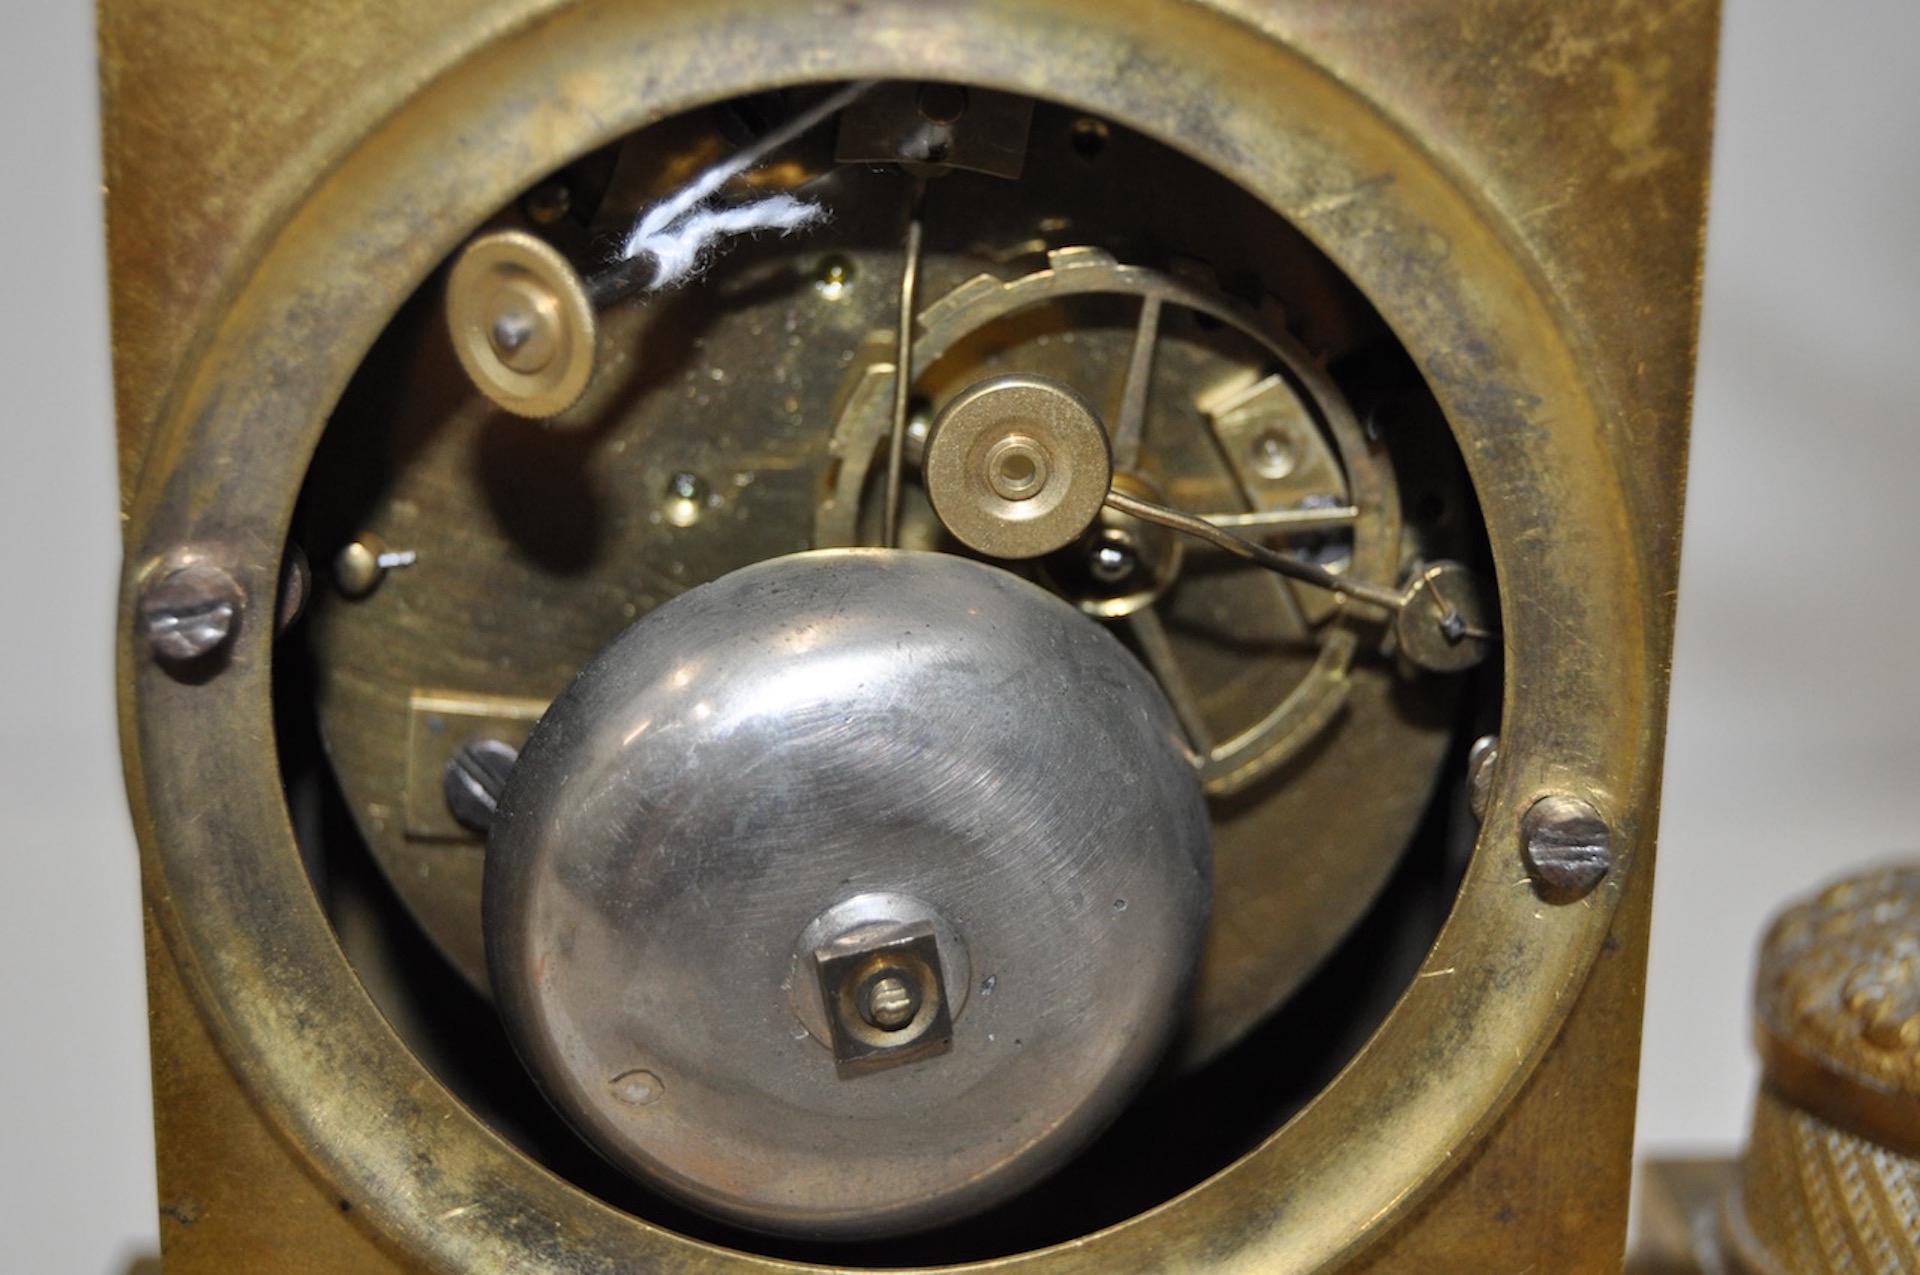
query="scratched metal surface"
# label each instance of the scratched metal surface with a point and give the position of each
(1521, 192)
(800, 733)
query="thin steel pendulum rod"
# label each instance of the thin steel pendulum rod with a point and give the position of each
(1157, 650)
(903, 372)
(1130, 425)
(1292, 568)
(1287, 521)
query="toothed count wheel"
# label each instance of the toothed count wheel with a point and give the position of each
(1271, 442)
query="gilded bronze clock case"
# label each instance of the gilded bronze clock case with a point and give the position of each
(1518, 188)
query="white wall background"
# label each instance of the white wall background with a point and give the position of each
(1795, 748)
(76, 1144)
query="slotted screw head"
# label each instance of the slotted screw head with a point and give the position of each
(1481, 759)
(1567, 845)
(188, 612)
(475, 777)
(890, 1003)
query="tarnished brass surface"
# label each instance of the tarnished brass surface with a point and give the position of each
(1837, 1011)
(1017, 466)
(1678, 1203)
(1518, 188)
(1830, 1180)
(1813, 1197)
(759, 394)
(1310, 671)
(438, 726)
(521, 323)
(1548, 1187)
(233, 1196)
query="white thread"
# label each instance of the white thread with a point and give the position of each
(683, 232)
(683, 250)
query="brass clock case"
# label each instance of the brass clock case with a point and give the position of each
(1579, 491)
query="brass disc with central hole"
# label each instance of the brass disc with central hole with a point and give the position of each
(521, 323)
(1017, 467)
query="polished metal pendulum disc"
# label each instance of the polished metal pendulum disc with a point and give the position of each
(850, 893)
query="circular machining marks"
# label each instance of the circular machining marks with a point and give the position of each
(889, 868)
(1017, 466)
